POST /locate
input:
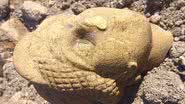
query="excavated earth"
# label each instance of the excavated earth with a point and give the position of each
(165, 84)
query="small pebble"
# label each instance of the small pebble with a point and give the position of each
(176, 39)
(176, 31)
(6, 55)
(178, 23)
(155, 18)
(182, 61)
(183, 29)
(180, 3)
(51, 2)
(177, 49)
(78, 8)
(65, 5)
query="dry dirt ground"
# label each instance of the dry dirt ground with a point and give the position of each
(163, 85)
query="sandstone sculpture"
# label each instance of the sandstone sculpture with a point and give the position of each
(91, 57)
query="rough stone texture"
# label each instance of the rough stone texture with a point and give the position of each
(14, 4)
(163, 87)
(155, 18)
(97, 58)
(14, 87)
(33, 13)
(16, 99)
(15, 29)
(79, 6)
(4, 9)
(6, 42)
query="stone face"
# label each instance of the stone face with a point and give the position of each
(92, 55)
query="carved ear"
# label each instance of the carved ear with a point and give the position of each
(24, 64)
(161, 42)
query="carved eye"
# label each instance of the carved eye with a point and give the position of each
(84, 35)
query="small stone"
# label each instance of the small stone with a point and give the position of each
(176, 39)
(178, 23)
(183, 29)
(176, 31)
(1, 67)
(177, 49)
(65, 5)
(147, 15)
(3, 36)
(2, 87)
(51, 2)
(4, 8)
(154, 5)
(183, 9)
(162, 24)
(15, 28)
(7, 46)
(180, 3)
(182, 38)
(99, 3)
(155, 18)
(6, 55)
(33, 13)
(182, 60)
(78, 8)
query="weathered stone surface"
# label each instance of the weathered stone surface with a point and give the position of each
(155, 18)
(92, 56)
(17, 99)
(161, 87)
(33, 13)
(15, 29)
(6, 42)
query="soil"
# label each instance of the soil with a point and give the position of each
(165, 84)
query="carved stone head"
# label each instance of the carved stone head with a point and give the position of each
(91, 57)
